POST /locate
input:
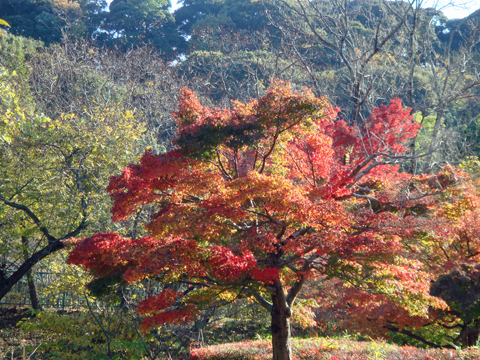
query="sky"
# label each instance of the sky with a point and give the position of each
(175, 6)
(453, 9)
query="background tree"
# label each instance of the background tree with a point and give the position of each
(53, 172)
(43, 20)
(234, 66)
(135, 22)
(76, 77)
(16, 52)
(80, 85)
(243, 16)
(378, 50)
(350, 37)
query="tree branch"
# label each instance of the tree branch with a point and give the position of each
(416, 337)
(32, 216)
(261, 301)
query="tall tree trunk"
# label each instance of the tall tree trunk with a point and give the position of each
(33, 291)
(469, 337)
(30, 282)
(280, 327)
(354, 105)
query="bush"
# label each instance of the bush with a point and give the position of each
(79, 335)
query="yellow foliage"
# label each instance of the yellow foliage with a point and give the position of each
(59, 168)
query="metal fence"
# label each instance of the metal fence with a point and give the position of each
(20, 296)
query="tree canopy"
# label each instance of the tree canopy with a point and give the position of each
(53, 172)
(140, 21)
(254, 201)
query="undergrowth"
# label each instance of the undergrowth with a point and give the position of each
(321, 348)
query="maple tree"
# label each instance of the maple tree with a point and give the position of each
(432, 295)
(255, 200)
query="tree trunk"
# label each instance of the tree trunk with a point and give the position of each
(7, 283)
(54, 245)
(281, 335)
(30, 282)
(32, 291)
(469, 337)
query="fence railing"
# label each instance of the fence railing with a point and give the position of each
(20, 296)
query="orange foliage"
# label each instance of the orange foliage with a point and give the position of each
(259, 197)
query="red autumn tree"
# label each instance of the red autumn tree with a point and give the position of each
(433, 294)
(255, 200)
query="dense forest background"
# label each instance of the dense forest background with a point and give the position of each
(230, 50)
(95, 88)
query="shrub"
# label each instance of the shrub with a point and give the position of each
(79, 335)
